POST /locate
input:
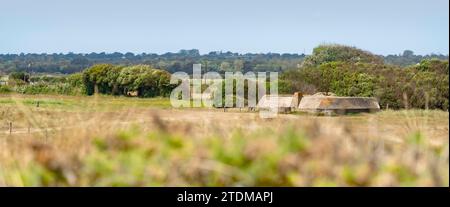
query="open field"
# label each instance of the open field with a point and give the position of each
(118, 141)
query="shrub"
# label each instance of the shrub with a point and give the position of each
(423, 86)
(5, 89)
(333, 52)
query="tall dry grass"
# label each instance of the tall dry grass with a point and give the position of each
(104, 141)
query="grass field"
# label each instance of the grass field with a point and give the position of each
(119, 141)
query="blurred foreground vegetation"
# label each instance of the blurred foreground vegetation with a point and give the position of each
(261, 158)
(126, 142)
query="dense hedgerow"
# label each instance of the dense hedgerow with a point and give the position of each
(119, 80)
(139, 80)
(62, 85)
(424, 85)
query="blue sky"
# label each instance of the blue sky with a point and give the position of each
(159, 26)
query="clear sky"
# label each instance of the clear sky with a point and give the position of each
(159, 26)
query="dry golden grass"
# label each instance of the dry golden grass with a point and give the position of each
(107, 141)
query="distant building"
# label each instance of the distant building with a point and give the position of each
(320, 103)
(4, 80)
(284, 103)
(132, 93)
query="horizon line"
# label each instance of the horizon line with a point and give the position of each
(200, 54)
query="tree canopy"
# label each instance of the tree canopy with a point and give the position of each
(333, 52)
(120, 80)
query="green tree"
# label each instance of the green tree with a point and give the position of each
(22, 76)
(331, 53)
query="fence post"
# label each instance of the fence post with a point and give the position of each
(46, 135)
(10, 127)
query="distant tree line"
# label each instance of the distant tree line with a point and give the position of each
(171, 62)
(183, 60)
(408, 58)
